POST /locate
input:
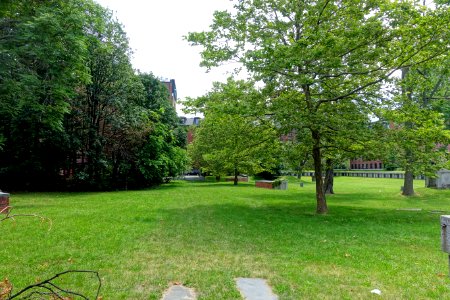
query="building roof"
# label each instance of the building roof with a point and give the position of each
(190, 121)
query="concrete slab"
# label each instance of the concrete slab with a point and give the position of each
(179, 292)
(255, 289)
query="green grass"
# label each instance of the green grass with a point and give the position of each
(205, 235)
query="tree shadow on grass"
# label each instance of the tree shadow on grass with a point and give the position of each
(282, 220)
(291, 233)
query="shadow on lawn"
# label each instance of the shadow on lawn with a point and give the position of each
(296, 207)
(289, 229)
(272, 218)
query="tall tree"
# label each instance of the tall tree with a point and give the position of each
(42, 51)
(315, 55)
(163, 154)
(419, 137)
(235, 136)
(74, 113)
(418, 141)
(107, 111)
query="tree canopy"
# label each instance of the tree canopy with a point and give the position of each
(235, 135)
(323, 61)
(418, 139)
(74, 112)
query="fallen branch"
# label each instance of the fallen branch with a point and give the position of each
(49, 288)
(10, 216)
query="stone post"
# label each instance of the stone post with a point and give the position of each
(4, 202)
(445, 236)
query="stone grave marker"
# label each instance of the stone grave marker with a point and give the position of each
(179, 292)
(255, 289)
(443, 179)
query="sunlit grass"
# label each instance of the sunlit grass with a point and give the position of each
(206, 234)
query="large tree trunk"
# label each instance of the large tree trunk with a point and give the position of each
(329, 177)
(299, 171)
(236, 173)
(408, 183)
(317, 157)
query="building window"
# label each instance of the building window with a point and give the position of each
(196, 120)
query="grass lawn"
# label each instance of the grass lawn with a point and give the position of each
(206, 234)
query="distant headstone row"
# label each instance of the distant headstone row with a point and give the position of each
(393, 175)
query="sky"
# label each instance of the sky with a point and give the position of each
(155, 30)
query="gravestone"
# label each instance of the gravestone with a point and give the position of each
(282, 186)
(255, 289)
(443, 179)
(179, 292)
(445, 236)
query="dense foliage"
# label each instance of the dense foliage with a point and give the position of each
(419, 117)
(235, 136)
(74, 112)
(325, 63)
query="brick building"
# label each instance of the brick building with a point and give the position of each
(360, 164)
(195, 121)
(172, 88)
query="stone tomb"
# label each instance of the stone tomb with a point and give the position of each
(443, 179)
(272, 184)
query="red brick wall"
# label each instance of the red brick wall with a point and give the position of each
(190, 136)
(4, 202)
(263, 184)
(359, 164)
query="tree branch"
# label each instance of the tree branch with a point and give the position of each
(55, 290)
(321, 13)
(48, 284)
(12, 217)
